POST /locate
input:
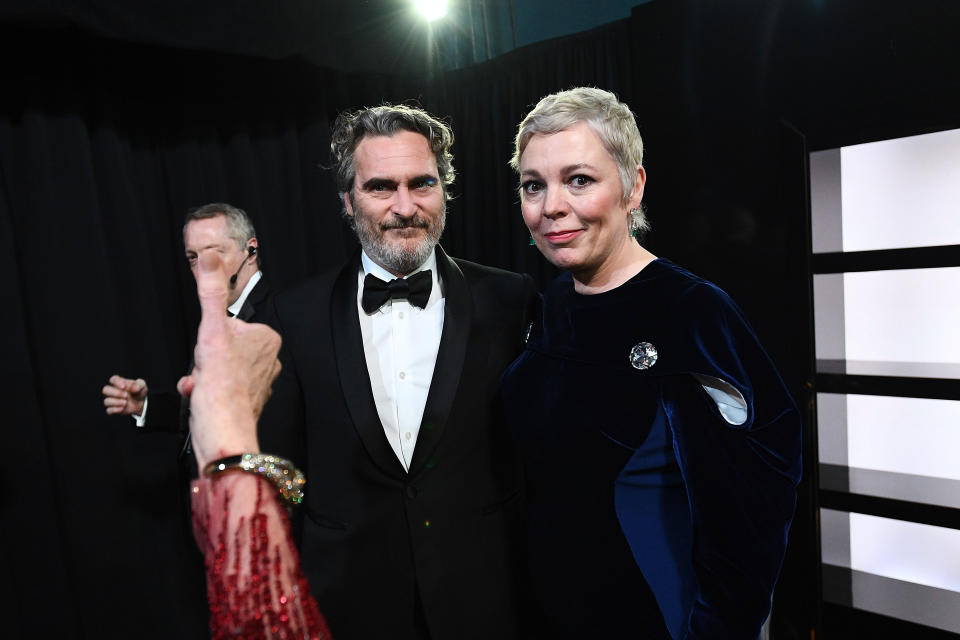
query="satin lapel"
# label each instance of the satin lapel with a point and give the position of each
(352, 367)
(457, 317)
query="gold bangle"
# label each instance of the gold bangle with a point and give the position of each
(287, 478)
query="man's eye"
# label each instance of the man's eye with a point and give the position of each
(424, 184)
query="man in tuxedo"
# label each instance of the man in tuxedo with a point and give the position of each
(229, 230)
(389, 400)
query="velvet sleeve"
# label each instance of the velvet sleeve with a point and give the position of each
(255, 586)
(741, 479)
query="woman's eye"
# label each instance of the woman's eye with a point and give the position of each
(531, 187)
(580, 181)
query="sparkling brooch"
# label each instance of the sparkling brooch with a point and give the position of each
(643, 356)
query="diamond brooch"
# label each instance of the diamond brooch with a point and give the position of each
(643, 356)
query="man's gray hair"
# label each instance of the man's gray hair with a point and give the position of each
(351, 127)
(610, 119)
(239, 225)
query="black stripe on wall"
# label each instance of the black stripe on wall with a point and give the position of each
(935, 515)
(885, 259)
(938, 389)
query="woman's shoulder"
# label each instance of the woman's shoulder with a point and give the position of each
(688, 291)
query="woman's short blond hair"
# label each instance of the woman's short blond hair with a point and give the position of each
(610, 119)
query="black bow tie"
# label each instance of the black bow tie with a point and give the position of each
(416, 289)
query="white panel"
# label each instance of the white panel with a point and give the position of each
(918, 436)
(929, 606)
(835, 537)
(908, 315)
(828, 322)
(901, 193)
(832, 428)
(907, 551)
(826, 216)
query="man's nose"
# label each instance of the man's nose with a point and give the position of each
(403, 204)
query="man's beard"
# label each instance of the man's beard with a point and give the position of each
(393, 257)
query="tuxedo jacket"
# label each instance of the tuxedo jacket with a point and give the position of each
(166, 411)
(380, 543)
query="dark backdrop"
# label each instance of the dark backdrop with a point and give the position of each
(106, 142)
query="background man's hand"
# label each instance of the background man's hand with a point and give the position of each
(236, 363)
(124, 396)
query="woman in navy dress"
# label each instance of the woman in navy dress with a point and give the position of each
(661, 447)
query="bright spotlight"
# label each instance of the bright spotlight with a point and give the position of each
(431, 9)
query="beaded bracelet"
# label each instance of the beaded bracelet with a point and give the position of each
(287, 478)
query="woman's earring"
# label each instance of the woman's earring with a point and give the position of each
(531, 243)
(632, 222)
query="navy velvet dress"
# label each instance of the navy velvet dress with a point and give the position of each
(650, 515)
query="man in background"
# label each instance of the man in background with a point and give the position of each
(229, 231)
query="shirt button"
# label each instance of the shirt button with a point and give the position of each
(402, 375)
(407, 435)
(400, 315)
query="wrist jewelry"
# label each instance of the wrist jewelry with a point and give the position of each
(287, 478)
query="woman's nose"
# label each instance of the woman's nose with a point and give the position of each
(555, 202)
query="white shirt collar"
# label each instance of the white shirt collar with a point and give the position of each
(234, 309)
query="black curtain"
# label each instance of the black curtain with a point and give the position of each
(104, 148)
(104, 145)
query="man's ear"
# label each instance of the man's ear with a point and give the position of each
(347, 205)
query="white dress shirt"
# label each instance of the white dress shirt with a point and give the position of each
(234, 309)
(400, 344)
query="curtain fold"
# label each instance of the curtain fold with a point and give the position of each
(104, 146)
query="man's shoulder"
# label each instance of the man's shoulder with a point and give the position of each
(474, 271)
(497, 290)
(308, 290)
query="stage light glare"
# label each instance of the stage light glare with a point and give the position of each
(431, 9)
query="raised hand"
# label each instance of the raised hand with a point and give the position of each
(236, 363)
(124, 396)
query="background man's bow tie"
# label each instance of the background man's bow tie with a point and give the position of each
(416, 289)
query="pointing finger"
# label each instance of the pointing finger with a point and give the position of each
(212, 292)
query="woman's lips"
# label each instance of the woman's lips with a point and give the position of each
(559, 237)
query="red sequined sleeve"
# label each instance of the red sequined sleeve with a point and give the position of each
(255, 586)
